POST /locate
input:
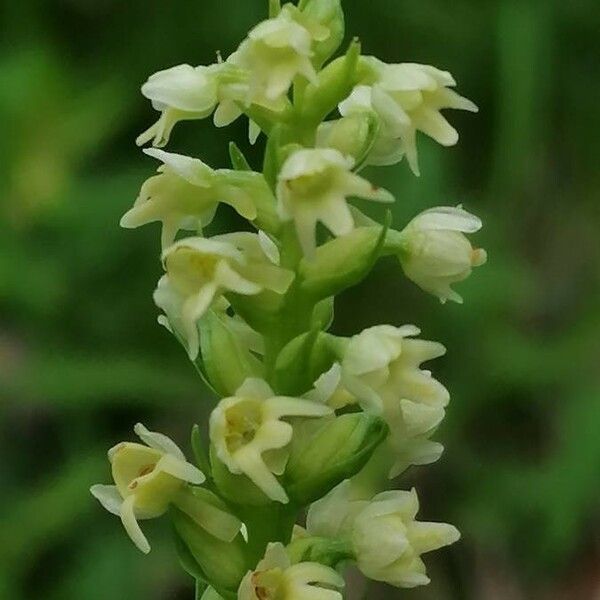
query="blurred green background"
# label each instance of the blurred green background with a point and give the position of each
(82, 359)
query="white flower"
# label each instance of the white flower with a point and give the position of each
(381, 368)
(199, 270)
(407, 98)
(148, 479)
(275, 52)
(186, 192)
(437, 253)
(313, 186)
(388, 541)
(250, 437)
(333, 515)
(184, 93)
(275, 578)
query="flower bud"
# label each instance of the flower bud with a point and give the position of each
(437, 253)
(313, 186)
(275, 578)
(149, 478)
(327, 452)
(352, 136)
(388, 541)
(329, 15)
(250, 438)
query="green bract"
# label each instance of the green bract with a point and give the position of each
(300, 412)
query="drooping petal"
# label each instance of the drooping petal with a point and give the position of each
(109, 497)
(131, 525)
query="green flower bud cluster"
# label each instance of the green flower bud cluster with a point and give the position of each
(300, 412)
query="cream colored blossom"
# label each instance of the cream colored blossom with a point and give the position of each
(275, 52)
(381, 368)
(148, 478)
(186, 192)
(333, 515)
(250, 437)
(437, 253)
(200, 270)
(388, 542)
(407, 98)
(184, 93)
(313, 186)
(275, 578)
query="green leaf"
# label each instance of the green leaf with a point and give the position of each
(199, 453)
(238, 160)
(292, 368)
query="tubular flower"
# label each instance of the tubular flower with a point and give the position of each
(148, 478)
(381, 368)
(199, 270)
(388, 541)
(407, 98)
(275, 52)
(250, 438)
(275, 578)
(437, 253)
(186, 192)
(313, 186)
(185, 93)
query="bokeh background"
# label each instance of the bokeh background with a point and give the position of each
(82, 359)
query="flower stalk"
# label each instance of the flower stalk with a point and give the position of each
(299, 411)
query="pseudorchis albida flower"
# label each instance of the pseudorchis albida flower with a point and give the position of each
(186, 193)
(199, 270)
(149, 478)
(313, 187)
(437, 253)
(275, 578)
(407, 98)
(250, 437)
(385, 537)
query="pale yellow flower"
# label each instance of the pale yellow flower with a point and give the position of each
(313, 186)
(186, 193)
(184, 93)
(200, 270)
(275, 52)
(250, 437)
(381, 368)
(437, 253)
(388, 541)
(148, 478)
(275, 578)
(407, 98)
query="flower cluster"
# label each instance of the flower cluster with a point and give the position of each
(300, 411)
